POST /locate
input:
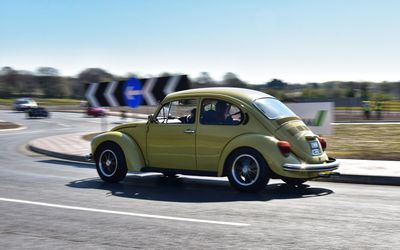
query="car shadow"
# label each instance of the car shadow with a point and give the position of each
(69, 163)
(191, 189)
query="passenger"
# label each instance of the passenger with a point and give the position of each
(223, 117)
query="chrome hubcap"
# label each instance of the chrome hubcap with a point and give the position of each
(108, 163)
(245, 170)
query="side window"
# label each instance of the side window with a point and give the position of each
(178, 112)
(219, 112)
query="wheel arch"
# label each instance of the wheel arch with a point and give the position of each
(264, 145)
(132, 152)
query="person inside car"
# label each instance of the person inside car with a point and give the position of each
(223, 117)
(189, 119)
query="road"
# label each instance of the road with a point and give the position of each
(47, 203)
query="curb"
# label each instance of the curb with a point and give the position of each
(364, 179)
(56, 154)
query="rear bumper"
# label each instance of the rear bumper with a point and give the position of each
(330, 165)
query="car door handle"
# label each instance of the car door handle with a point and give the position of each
(189, 131)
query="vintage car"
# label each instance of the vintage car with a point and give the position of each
(246, 135)
(24, 104)
(38, 112)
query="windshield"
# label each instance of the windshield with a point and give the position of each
(272, 108)
(22, 102)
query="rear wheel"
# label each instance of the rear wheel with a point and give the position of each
(247, 170)
(110, 163)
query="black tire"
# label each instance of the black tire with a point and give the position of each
(110, 162)
(293, 182)
(247, 170)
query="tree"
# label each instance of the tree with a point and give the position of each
(205, 78)
(92, 75)
(232, 80)
(364, 91)
(7, 81)
(51, 83)
(276, 84)
(351, 90)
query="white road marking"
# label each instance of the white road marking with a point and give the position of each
(124, 213)
(22, 133)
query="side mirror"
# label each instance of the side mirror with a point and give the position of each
(150, 119)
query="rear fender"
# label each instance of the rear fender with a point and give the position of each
(133, 154)
(267, 147)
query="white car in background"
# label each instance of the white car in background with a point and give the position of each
(23, 104)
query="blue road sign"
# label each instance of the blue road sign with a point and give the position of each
(133, 92)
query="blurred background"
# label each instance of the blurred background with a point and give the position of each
(346, 52)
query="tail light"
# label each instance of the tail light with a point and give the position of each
(323, 143)
(284, 147)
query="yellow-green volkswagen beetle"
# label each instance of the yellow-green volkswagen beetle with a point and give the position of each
(246, 135)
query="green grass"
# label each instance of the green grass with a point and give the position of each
(43, 101)
(365, 141)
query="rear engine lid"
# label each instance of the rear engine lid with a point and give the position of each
(304, 143)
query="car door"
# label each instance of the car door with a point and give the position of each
(171, 138)
(219, 122)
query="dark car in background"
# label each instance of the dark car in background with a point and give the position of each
(38, 112)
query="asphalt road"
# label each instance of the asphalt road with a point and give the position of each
(46, 203)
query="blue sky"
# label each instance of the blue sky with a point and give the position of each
(294, 40)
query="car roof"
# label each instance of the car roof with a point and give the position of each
(247, 95)
(24, 99)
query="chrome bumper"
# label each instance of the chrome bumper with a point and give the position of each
(331, 165)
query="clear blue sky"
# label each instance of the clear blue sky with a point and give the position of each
(293, 40)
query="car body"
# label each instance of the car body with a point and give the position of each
(38, 112)
(96, 111)
(258, 138)
(23, 104)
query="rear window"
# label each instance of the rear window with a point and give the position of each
(273, 108)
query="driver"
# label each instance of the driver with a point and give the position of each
(190, 119)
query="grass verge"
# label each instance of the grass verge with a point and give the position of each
(365, 141)
(43, 101)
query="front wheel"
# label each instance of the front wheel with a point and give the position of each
(110, 163)
(247, 170)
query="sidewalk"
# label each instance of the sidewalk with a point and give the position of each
(73, 147)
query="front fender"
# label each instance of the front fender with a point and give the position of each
(267, 147)
(133, 154)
